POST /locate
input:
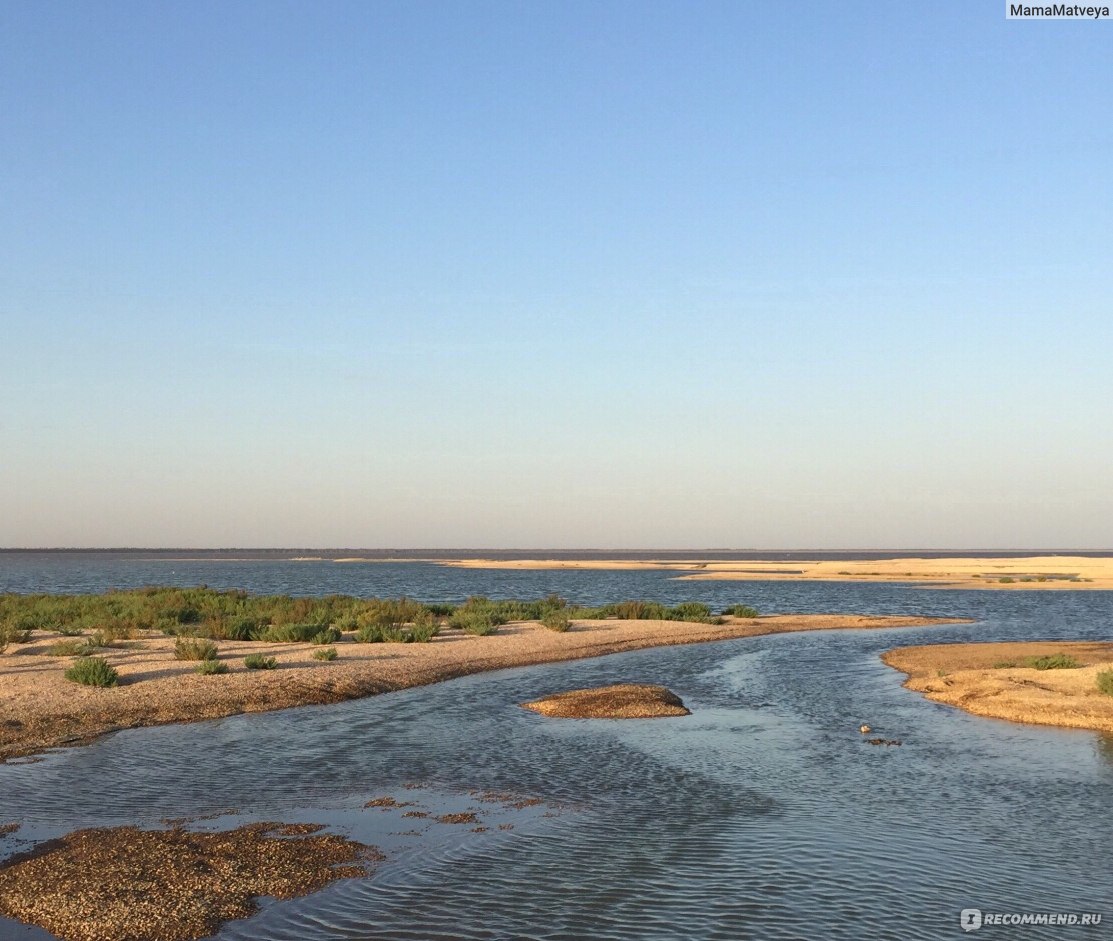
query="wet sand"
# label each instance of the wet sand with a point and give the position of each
(40, 709)
(1028, 572)
(995, 680)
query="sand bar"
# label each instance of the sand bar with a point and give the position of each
(1054, 572)
(995, 680)
(41, 709)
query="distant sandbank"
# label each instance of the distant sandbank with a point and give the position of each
(1003, 681)
(1048, 572)
(43, 710)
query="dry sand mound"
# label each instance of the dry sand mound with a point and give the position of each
(625, 701)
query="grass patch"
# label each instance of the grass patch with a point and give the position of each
(211, 667)
(326, 654)
(194, 648)
(1105, 682)
(741, 611)
(257, 661)
(1004, 665)
(93, 671)
(1056, 661)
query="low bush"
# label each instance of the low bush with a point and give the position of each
(423, 629)
(194, 648)
(741, 611)
(211, 667)
(93, 671)
(1004, 665)
(289, 633)
(1056, 661)
(477, 622)
(325, 653)
(1105, 682)
(256, 661)
(330, 635)
(482, 615)
(71, 648)
(636, 611)
(557, 620)
(690, 611)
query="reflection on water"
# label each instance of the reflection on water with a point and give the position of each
(763, 815)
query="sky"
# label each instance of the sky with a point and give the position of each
(555, 274)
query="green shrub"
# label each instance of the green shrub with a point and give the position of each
(441, 610)
(690, 611)
(71, 648)
(325, 653)
(557, 620)
(477, 622)
(424, 629)
(194, 648)
(256, 661)
(636, 611)
(1057, 661)
(289, 633)
(330, 635)
(93, 671)
(1105, 682)
(741, 611)
(1006, 580)
(211, 667)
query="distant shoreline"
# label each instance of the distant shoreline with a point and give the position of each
(1047, 572)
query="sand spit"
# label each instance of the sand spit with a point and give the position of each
(624, 701)
(127, 884)
(41, 709)
(1028, 572)
(995, 680)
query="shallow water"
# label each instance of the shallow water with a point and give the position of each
(763, 815)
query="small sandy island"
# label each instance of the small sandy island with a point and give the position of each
(1027, 572)
(40, 709)
(127, 884)
(1003, 680)
(624, 701)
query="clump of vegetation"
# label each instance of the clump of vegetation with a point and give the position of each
(10, 634)
(1105, 682)
(1006, 580)
(1004, 665)
(256, 661)
(557, 620)
(330, 635)
(72, 647)
(741, 611)
(423, 629)
(291, 633)
(93, 671)
(325, 653)
(211, 667)
(194, 648)
(1057, 661)
(636, 611)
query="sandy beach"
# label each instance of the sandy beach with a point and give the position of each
(42, 709)
(1053, 572)
(996, 680)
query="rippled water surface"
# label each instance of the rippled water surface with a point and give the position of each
(762, 815)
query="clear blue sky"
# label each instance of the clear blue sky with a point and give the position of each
(807, 274)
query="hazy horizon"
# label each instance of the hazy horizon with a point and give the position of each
(554, 275)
